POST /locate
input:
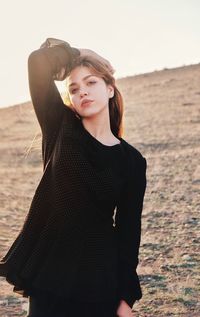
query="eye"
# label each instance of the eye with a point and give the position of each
(73, 91)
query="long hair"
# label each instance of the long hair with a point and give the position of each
(116, 106)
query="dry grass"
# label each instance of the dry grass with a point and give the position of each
(162, 120)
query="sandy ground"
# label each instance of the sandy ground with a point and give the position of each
(162, 120)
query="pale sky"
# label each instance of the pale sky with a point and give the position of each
(136, 36)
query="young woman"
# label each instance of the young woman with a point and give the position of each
(77, 252)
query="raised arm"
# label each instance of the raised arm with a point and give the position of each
(128, 227)
(44, 66)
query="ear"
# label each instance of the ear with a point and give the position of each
(111, 91)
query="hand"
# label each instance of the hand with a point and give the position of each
(124, 310)
(51, 42)
(84, 52)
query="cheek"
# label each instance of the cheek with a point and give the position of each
(102, 96)
(73, 99)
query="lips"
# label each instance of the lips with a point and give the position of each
(86, 101)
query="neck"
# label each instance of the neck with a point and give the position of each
(99, 126)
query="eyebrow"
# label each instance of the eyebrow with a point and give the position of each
(72, 84)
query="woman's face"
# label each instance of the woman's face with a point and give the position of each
(83, 84)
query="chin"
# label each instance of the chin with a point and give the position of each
(89, 113)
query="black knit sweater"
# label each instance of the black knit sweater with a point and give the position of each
(81, 236)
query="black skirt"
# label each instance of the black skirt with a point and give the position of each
(43, 305)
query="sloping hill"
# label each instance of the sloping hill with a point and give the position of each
(162, 120)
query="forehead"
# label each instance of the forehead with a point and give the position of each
(79, 73)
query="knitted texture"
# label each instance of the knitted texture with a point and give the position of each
(72, 242)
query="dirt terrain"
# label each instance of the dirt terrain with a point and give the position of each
(162, 120)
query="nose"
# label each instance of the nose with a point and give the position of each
(83, 92)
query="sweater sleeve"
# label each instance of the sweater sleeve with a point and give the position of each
(43, 66)
(128, 228)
